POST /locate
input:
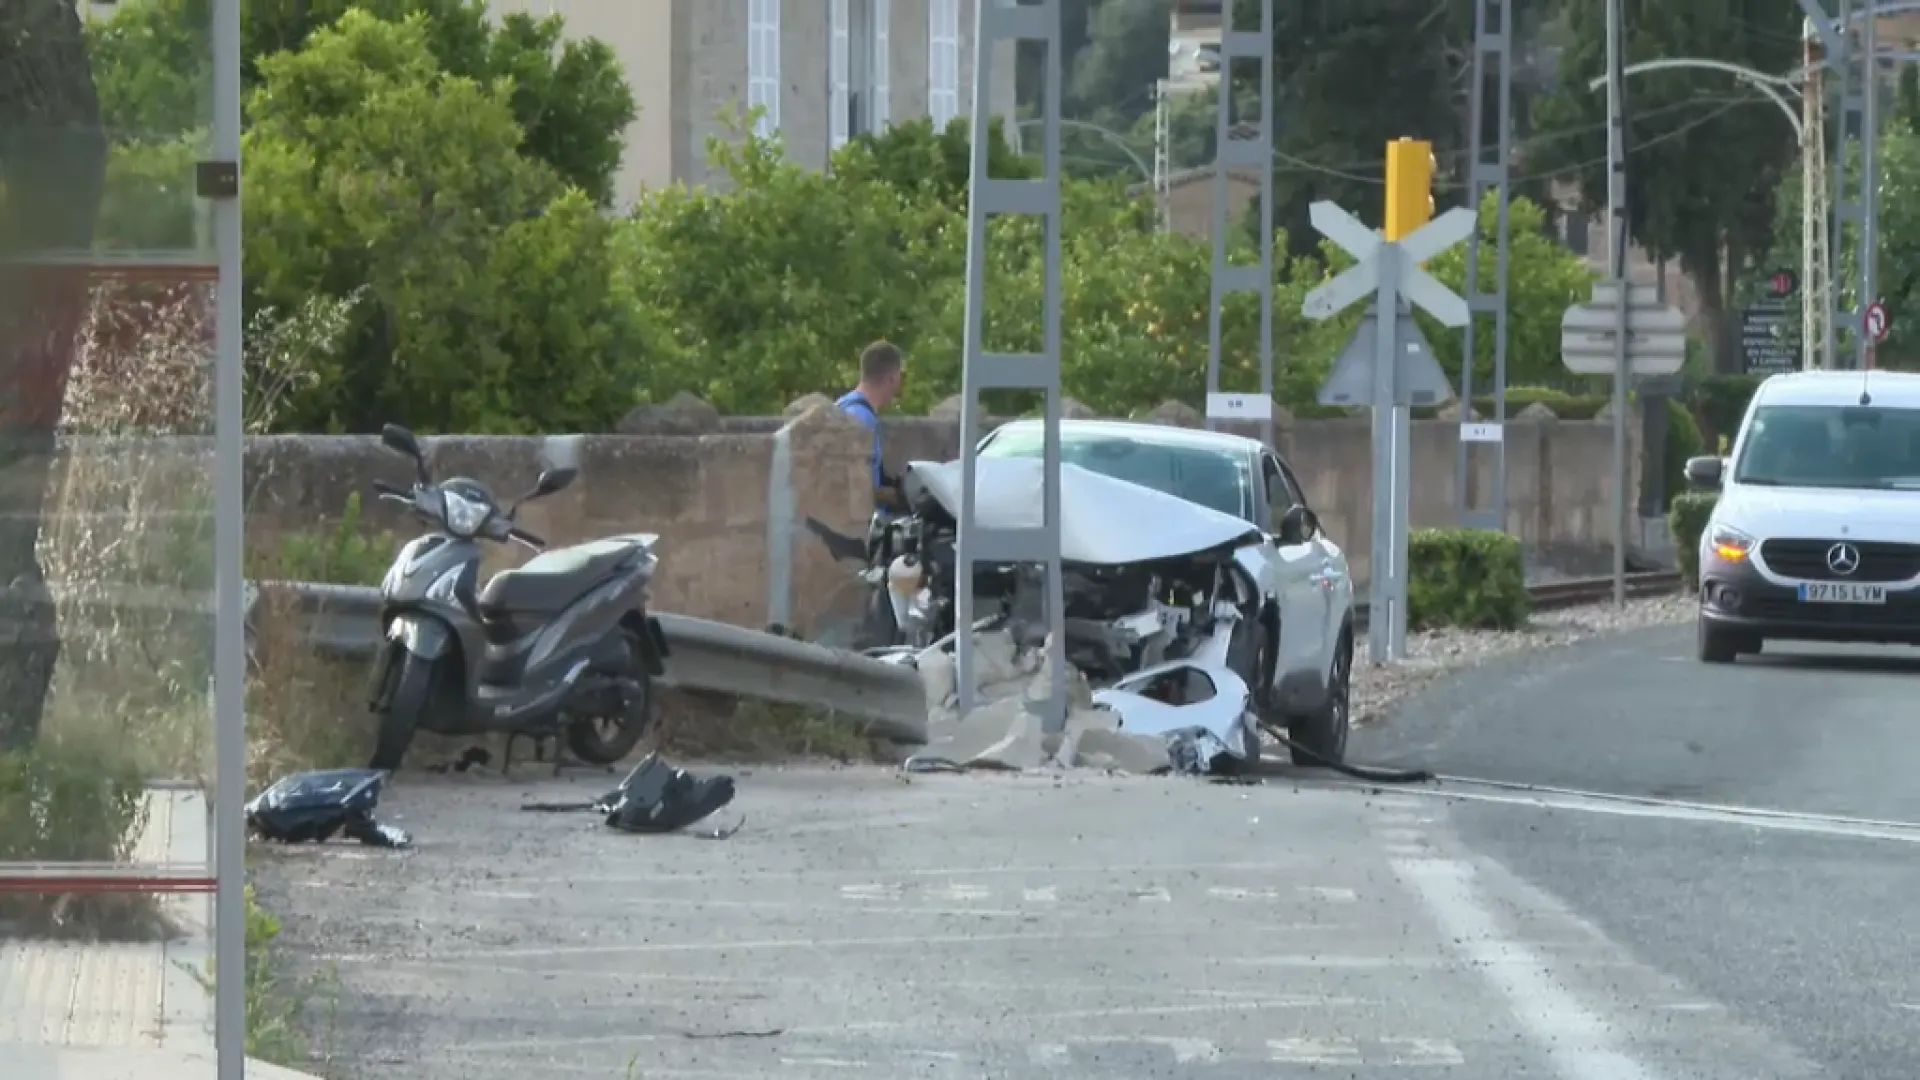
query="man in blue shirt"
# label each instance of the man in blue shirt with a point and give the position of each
(882, 369)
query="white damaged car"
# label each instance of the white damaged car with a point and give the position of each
(1201, 591)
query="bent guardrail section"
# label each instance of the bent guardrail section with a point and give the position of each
(343, 622)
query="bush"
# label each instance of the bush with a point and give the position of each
(1683, 441)
(1686, 520)
(1565, 404)
(73, 800)
(341, 555)
(1466, 577)
(1720, 401)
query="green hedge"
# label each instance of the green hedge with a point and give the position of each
(1683, 441)
(1686, 520)
(1721, 403)
(1466, 577)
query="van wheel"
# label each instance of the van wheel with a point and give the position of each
(1717, 644)
(606, 740)
(406, 702)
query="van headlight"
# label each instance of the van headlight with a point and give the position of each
(1729, 544)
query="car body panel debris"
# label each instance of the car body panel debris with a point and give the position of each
(311, 807)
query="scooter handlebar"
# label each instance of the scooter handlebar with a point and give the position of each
(523, 536)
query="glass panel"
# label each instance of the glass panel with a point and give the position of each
(107, 278)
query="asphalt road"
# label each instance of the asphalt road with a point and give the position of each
(1801, 928)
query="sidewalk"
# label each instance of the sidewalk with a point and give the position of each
(108, 1010)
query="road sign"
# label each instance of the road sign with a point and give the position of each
(1877, 321)
(1389, 366)
(1240, 406)
(1783, 284)
(1483, 433)
(1656, 333)
(1417, 377)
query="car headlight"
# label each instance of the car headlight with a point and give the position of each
(464, 515)
(1728, 544)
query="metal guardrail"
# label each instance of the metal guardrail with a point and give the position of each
(343, 622)
(1557, 595)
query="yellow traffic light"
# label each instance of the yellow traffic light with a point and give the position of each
(1410, 169)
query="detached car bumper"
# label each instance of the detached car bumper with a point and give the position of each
(1736, 596)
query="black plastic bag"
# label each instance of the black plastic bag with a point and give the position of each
(310, 807)
(656, 797)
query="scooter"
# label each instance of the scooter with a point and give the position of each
(561, 647)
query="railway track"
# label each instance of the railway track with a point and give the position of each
(1576, 592)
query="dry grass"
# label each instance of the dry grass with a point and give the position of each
(719, 727)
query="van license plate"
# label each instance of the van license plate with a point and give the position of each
(1841, 592)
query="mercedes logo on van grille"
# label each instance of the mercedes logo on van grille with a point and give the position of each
(1843, 559)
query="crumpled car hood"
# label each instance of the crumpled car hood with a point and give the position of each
(1103, 521)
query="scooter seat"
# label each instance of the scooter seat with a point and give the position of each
(553, 579)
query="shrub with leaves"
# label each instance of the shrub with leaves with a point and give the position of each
(1686, 522)
(72, 800)
(1466, 577)
(342, 555)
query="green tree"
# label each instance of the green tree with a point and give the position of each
(1126, 53)
(1706, 158)
(773, 286)
(489, 296)
(568, 95)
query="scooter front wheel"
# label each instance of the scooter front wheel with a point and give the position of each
(412, 682)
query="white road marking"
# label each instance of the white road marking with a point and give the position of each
(960, 892)
(1046, 895)
(874, 890)
(1230, 892)
(1400, 835)
(1423, 1052)
(1048, 1053)
(1314, 1051)
(1575, 1039)
(1157, 895)
(1330, 895)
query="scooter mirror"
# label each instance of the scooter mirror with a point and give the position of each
(400, 440)
(552, 480)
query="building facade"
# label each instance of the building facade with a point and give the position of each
(821, 71)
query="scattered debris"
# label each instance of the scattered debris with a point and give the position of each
(310, 807)
(1185, 716)
(657, 798)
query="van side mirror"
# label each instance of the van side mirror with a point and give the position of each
(1705, 473)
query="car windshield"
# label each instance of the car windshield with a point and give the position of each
(1831, 446)
(1217, 479)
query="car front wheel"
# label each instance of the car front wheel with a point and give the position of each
(1720, 644)
(1319, 736)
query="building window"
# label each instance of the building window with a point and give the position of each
(839, 79)
(763, 64)
(859, 99)
(943, 61)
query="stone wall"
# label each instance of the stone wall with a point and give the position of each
(727, 495)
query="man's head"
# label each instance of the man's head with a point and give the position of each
(882, 368)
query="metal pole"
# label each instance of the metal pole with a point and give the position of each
(1617, 254)
(229, 542)
(1492, 56)
(1386, 592)
(1256, 154)
(1846, 200)
(1869, 177)
(997, 21)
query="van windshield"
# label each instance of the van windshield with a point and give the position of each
(1831, 446)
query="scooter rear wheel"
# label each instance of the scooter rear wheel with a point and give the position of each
(605, 740)
(412, 689)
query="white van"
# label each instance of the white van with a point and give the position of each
(1816, 535)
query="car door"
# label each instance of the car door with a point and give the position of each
(1331, 585)
(1303, 609)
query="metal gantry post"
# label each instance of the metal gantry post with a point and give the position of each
(1244, 153)
(1849, 215)
(1869, 178)
(987, 197)
(1816, 341)
(1492, 60)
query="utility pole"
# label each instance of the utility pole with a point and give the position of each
(1162, 151)
(1489, 156)
(1617, 240)
(1869, 180)
(1816, 267)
